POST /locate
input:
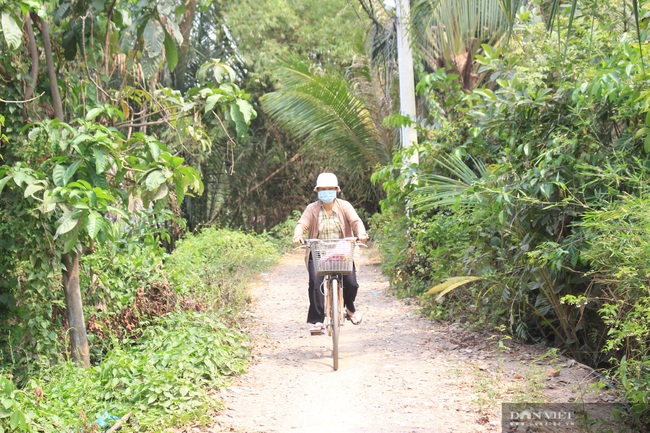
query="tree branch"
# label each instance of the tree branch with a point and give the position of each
(272, 175)
(83, 50)
(22, 102)
(369, 9)
(119, 423)
(33, 50)
(232, 166)
(165, 119)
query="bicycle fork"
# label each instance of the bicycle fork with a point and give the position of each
(328, 302)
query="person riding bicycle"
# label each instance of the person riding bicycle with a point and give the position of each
(329, 218)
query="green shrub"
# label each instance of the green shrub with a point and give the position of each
(114, 272)
(12, 416)
(31, 299)
(214, 265)
(282, 234)
(617, 246)
(514, 167)
(32, 307)
(164, 380)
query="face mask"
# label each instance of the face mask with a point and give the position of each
(326, 196)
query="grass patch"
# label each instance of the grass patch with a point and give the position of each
(215, 265)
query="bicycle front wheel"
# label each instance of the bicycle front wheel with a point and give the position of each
(335, 320)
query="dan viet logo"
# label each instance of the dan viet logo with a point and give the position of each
(537, 417)
(563, 417)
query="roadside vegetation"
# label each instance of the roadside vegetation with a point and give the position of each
(529, 211)
(167, 338)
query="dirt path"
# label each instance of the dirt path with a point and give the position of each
(398, 372)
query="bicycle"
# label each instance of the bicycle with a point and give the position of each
(333, 259)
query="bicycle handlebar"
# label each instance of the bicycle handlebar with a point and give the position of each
(307, 242)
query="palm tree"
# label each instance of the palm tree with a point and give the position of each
(324, 112)
(449, 33)
(327, 113)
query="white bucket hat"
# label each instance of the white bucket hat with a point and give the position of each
(327, 180)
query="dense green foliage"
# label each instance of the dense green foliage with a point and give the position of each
(274, 30)
(325, 115)
(617, 247)
(111, 115)
(537, 183)
(33, 314)
(104, 139)
(256, 181)
(162, 368)
(164, 380)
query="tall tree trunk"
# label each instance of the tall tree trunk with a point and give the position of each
(79, 348)
(77, 332)
(107, 39)
(51, 70)
(184, 49)
(29, 91)
(466, 71)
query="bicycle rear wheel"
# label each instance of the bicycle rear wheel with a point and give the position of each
(335, 320)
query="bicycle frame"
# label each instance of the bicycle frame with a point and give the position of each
(333, 259)
(333, 284)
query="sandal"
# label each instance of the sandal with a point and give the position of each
(355, 317)
(316, 329)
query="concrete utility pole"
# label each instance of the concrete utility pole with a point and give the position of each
(406, 78)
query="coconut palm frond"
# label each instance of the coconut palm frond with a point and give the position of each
(323, 112)
(457, 167)
(439, 190)
(451, 30)
(450, 284)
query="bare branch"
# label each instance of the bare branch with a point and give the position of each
(143, 124)
(232, 166)
(109, 17)
(368, 7)
(165, 119)
(83, 49)
(22, 102)
(272, 175)
(119, 423)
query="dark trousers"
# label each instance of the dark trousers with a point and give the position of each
(317, 300)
